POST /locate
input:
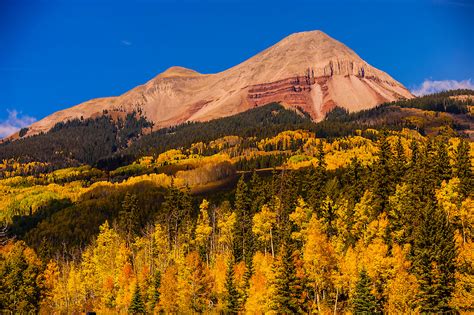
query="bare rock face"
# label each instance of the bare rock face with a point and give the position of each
(309, 70)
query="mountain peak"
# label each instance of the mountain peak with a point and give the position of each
(177, 71)
(307, 70)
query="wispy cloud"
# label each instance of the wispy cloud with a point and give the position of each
(14, 122)
(429, 86)
(126, 42)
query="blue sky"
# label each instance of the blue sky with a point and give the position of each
(55, 54)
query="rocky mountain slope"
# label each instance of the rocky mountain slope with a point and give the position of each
(307, 70)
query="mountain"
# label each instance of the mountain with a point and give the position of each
(307, 70)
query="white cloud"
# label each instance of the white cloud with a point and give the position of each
(429, 86)
(14, 122)
(126, 42)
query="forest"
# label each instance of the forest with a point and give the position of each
(303, 218)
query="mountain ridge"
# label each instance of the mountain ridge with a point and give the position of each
(309, 70)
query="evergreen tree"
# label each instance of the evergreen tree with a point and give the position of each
(364, 302)
(258, 195)
(19, 274)
(243, 242)
(399, 161)
(246, 279)
(317, 178)
(434, 253)
(156, 285)
(232, 295)
(462, 167)
(128, 220)
(287, 288)
(137, 306)
(442, 166)
(384, 180)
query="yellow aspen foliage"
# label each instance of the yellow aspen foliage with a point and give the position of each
(226, 225)
(376, 229)
(203, 228)
(376, 260)
(448, 197)
(169, 290)
(402, 287)
(343, 222)
(263, 225)
(301, 217)
(50, 284)
(259, 290)
(347, 273)
(460, 212)
(75, 293)
(194, 282)
(463, 296)
(101, 268)
(319, 259)
(218, 272)
(160, 247)
(363, 212)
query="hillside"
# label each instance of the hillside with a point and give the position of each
(309, 70)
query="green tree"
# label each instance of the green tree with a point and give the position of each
(400, 160)
(156, 287)
(137, 306)
(316, 179)
(243, 241)
(364, 302)
(462, 167)
(384, 182)
(128, 220)
(287, 287)
(434, 254)
(232, 294)
(246, 279)
(19, 274)
(442, 166)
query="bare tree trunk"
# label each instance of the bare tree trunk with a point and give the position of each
(271, 243)
(335, 303)
(317, 301)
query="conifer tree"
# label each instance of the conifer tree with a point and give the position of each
(243, 242)
(128, 220)
(232, 294)
(246, 279)
(317, 179)
(442, 166)
(137, 306)
(384, 180)
(364, 302)
(287, 288)
(434, 253)
(400, 160)
(462, 167)
(156, 285)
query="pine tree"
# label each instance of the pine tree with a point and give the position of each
(364, 302)
(316, 179)
(232, 295)
(400, 160)
(442, 166)
(434, 254)
(384, 181)
(287, 288)
(243, 242)
(246, 279)
(156, 285)
(128, 220)
(137, 306)
(462, 167)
